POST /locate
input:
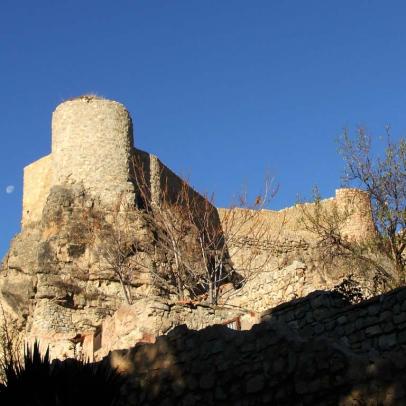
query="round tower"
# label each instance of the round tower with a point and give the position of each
(359, 225)
(92, 141)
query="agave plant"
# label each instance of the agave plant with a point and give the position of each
(38, 382)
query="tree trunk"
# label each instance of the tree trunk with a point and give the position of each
(125, 291)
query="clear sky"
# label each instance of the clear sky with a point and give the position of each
(221, 90)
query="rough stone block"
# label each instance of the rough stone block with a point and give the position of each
(207, 380)
(255, 384)
(402, 337)
(386, 315)
(399, 318)
(342, 320)
(373, 331)
(374, 309)
(387, 341)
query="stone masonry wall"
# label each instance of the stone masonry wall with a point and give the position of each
(151, 317)
(374, 326)
(315, 351)
(271, 364)
(37, 183)
(92, 142)
(285, 261)
(286, 222)
(158, 178)
(270, 288)
(359, 225)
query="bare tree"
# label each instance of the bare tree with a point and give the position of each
(121, 244)
(115, 247)
(185, 244)
(154, 240)
(244, 235)
(195, 241)
(384, 179)
(327, 221)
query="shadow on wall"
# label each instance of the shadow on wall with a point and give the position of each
(269, 364)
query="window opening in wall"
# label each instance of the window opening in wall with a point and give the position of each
(233, 324)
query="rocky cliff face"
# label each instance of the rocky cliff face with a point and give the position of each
(66, 275)
(55, 280)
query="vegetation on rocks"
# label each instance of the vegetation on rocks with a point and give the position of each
(39, 382)
(383, 178)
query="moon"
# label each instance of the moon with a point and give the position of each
(10, 189)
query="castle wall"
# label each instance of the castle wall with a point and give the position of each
(282, 261)
(92, 147)
(162, 185)
(317, 351)
(287, 222)
(92, 142)
(37, 183)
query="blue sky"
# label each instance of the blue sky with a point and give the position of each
(221, 91)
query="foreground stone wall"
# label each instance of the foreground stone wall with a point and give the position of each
(269, 365)
(149, 318)
(319, 350)
(375, 326)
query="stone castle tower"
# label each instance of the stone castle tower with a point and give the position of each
(92, 145)
(92, 142)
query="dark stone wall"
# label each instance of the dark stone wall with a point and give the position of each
(302, 353)
(374, 326)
